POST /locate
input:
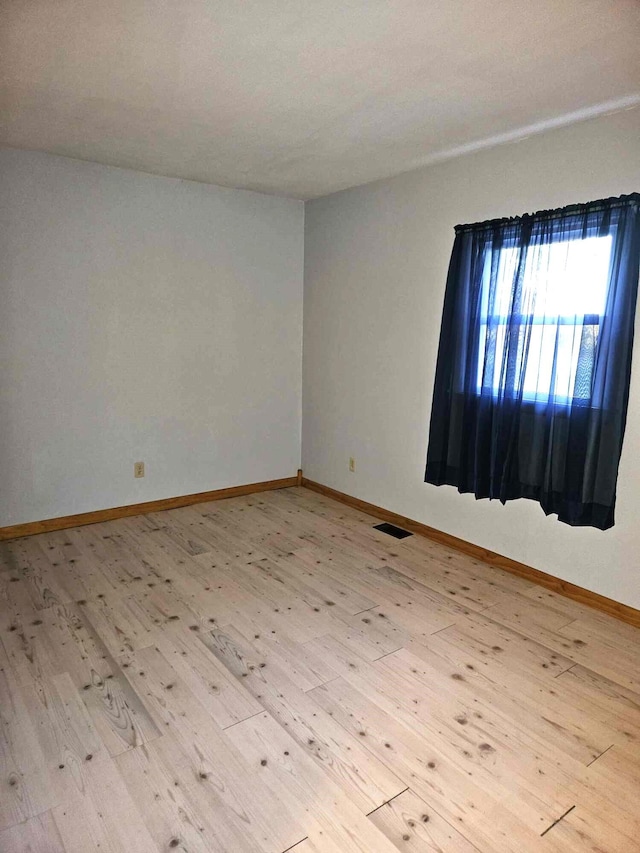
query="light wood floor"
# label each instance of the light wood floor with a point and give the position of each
(269, 673)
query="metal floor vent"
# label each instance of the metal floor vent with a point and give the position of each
(392, 530)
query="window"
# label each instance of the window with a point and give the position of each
(532, 378)
(558, 316)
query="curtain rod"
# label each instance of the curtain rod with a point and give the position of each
(589, 207)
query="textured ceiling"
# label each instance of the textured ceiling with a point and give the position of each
(304, 97)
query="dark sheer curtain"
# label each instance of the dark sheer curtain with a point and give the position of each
(532, 378)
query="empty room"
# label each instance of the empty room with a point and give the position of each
(319, 426)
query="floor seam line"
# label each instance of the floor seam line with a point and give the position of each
(439, 631)
(367, 610)
(293, 846)
(386, 654)
(446, 627)
(237, 722)
(601, 754)
(322, 684)
(556, 822)
(386, 802)
(568, 669)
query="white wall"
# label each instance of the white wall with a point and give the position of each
(142, 318)
(376, 261)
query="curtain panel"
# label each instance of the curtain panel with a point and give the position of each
(532, 377)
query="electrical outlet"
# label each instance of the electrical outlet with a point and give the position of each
(138, 469)
(352, 464)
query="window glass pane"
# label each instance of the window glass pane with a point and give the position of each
(569, 277)
(534, 338)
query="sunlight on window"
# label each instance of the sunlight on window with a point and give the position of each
(539, 338)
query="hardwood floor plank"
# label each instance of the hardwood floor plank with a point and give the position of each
(208, 751)
(102, 816)
(366, 781)
(120, 623)
(42, 580)
(269, 673)
(298, 576)
(414, 826)
(486, 640)
(539, 707)
(574, 639)
(180, 809)
(301, 616)
(37, 835)
(611, 696)
(468, 734)
(61, 642)
(586, 832)
(333, 821)
(66, 734)
(302, 666)
(434, 771)
(27, 784)
(227, 701)
(227, 548)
